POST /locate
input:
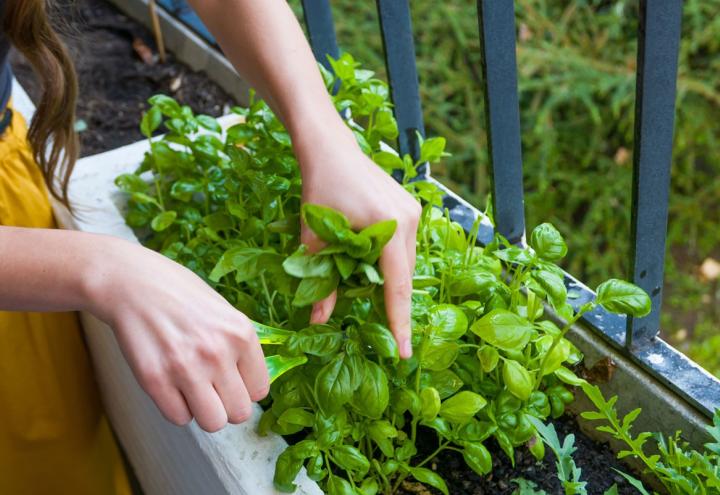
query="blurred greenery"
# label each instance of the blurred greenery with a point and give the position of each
(577, 89)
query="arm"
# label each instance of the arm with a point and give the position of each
(266, 45)
(190, 350)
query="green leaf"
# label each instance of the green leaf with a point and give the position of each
(328, 224)
(476, 282)
(351, 459)
(504, 329)
(553, 285)
(569, 377)
(489, 357)
(382, 432)
(517, 379)
(636, 483)
(439, 356)
(444, 381)
(245, 261)
(478, 458)
(335, 384)
(163, 220)
(166, 105)
(369, 486)
(131, 183)
(151, 120)
(318, 340)
(185, 189)
(429, 477)
(339, 486)
(430, 403)
(462, 406)
(380, 340)
(314, 289)
(548, 243)
(619, 296)
(297, 416)
(208, 123)
(279, 365)
(300, 264)
(372, 397)
(271, 335)
(447, 322)
(388, 161)
(345, 265)
(432, 150)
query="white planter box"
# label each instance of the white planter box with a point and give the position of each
(167, 459)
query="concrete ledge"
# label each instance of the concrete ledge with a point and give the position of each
(189, 48)
(167, 459)
(662, 409)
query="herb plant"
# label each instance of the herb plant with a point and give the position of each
(679, 469)
(486, 361)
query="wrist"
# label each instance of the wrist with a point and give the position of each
(96, 277)
(317, 135)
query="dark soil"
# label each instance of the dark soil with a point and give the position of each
(115, 82)
(595, 460)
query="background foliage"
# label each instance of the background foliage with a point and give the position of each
(577, 88)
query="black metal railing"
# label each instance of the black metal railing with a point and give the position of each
(657, 57)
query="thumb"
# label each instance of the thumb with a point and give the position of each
(322, 310)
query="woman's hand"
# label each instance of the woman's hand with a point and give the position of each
(336, 173)
(191, 351)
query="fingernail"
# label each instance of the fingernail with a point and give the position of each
(407, 348)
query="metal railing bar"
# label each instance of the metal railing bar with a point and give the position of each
(321, 30)
(397, 37)
(496, 21)
(658, 47)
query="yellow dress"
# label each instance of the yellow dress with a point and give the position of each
(54, 437)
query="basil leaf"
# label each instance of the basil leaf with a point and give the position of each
(439, 356)
(382, 432)
(619, 296)
(163, 220)
(548, 243)
(279, 365)
(208, 123)
(303, 265)
(478, 458)
(447, 322)
(327, 223)
(351, 459)
(373, 395)
(429, 477)
(461, 407)
(380, 340)
(335, 384)
(430, 403)
(504, 329)
(271, 335)
(444, 381)
(318, 340)
(314, 289)
(489, 357)
(517, 379)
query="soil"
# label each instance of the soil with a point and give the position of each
(595, 461)
(114, 81)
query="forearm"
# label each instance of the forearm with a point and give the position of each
(264, 41)
(46, 270)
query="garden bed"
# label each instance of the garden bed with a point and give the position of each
(115, 82)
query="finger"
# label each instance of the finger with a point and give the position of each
(205, 405)
(322, 310)
(252, 368)
(398, 290)
(168, 400)
(234, 396)
(411, 244)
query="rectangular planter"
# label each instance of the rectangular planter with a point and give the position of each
(167, 459)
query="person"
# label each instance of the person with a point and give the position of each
(190, 350)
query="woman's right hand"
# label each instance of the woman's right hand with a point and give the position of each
(191, 351)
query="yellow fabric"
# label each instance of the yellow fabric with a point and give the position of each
(54, 438)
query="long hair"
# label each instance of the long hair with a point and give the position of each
(52, 134)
